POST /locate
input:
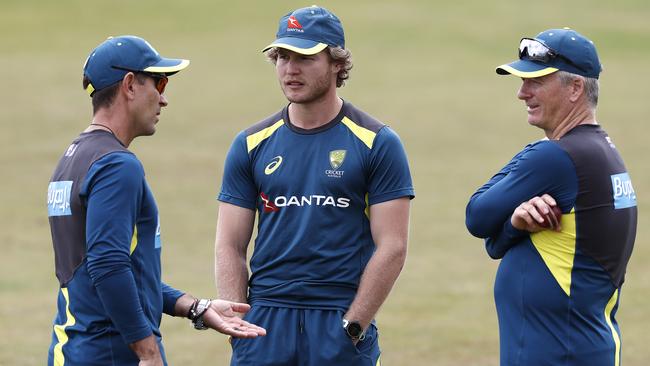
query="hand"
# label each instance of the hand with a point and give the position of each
(530, 215)
(222, 316)
(156, 362)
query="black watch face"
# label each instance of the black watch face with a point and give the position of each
(354, 329)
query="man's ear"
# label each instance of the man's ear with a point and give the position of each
(577, 89)
(127, 85)
(338, 66)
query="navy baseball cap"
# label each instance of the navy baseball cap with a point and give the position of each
(309, 31)
(553, 50)
(115, 57)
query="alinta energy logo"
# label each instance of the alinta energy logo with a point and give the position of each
(336, 160)
(273, 165)
(293, 25)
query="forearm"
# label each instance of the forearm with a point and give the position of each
(234, 230)
(231, 274)
(481, 213)
(118, 292)
(376, 283)
(497, 245)
(147, 350)
(170, 299)
(183, 304)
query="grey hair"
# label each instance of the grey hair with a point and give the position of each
(591, 85)
(337, 55)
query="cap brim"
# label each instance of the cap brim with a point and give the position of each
(525, 69)
(168, 66)
(299, 45)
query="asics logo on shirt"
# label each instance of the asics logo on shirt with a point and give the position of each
(273, 165)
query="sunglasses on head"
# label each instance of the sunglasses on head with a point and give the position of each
(160, 80)
(536, 50)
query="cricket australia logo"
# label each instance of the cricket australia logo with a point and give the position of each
(336, 160)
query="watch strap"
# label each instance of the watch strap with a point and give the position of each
(196, 312)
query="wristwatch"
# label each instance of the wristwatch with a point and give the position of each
(198, 308)
(354, 330)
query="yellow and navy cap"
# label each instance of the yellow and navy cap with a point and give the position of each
(308, 31)
(115, 57)
(555, 49)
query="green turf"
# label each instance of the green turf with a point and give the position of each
(424, 67)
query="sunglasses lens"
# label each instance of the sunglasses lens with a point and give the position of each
(161, 83)
(534, 50)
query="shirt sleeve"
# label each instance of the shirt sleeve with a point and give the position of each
(390, 176)
(170, 297)
(237, 186)
(113, 189)
(539, 168)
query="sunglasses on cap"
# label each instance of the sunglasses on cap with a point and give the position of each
(536, 50)
(160, 80)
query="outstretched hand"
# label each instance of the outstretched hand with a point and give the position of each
(223, 317)
(536, 214)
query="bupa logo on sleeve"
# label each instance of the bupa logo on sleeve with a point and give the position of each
(58, 198)
(624, 195)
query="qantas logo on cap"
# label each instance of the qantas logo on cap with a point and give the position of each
(293, 23)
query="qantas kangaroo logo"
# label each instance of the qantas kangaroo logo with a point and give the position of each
(293, 23)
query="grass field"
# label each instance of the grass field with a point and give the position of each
(424, 67)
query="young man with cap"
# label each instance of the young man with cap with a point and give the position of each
(558, 284)
(332, 188)
(105, 227)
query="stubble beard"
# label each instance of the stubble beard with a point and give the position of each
(318, 91)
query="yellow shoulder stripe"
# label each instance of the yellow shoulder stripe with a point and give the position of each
(364, 134)
(255, 139)
(59, 331)
(558, 250)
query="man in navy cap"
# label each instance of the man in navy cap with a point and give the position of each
(561, 215)
(331, 188)
(105, 226)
